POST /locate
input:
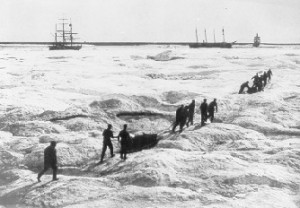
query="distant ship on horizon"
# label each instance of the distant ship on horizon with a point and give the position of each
(215, 44)
(256, 42)
(66, 38)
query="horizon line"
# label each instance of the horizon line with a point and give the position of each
(116, 43)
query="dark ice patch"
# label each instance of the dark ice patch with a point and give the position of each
(291, 54)
(58, 57)
(207, 74)
(230, 57)
(198, 67)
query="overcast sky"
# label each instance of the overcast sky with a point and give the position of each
(152, 20)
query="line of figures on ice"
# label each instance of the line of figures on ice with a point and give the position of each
(259, 82)
(50, 158)
(185, 114)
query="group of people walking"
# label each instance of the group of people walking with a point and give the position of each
(208, 111)
(259, 82)
(185, 114)
(125, 141)
(50, 159)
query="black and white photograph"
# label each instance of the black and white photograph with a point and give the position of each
(149, 103)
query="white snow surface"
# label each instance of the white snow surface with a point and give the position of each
(249, 157)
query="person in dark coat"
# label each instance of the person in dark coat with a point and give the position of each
(259, 84)
(255, 78)
(243, 86)
(211, 109)
(185, 116)
(50, 161)
(179, 117)
(269, 73)
(203, 109)
(265, 78)
(107, 134)
(125, 142)
(191, 113)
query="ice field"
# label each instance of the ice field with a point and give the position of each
(248, 158)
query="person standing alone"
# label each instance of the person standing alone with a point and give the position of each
(107, 134)
(50, 160)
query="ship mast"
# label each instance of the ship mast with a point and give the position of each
(71, 34)
(223, 35)
(55, 33)
(205, 36)
(196, 35)
(214, 36)
(63, 30)
(63, 27)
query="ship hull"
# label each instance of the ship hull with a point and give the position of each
(210, 45)
(65, 47)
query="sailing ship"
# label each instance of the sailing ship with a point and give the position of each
(64, 37)
(256, 42)
(206, 44)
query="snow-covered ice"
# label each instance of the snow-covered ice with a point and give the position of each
(250, 157)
